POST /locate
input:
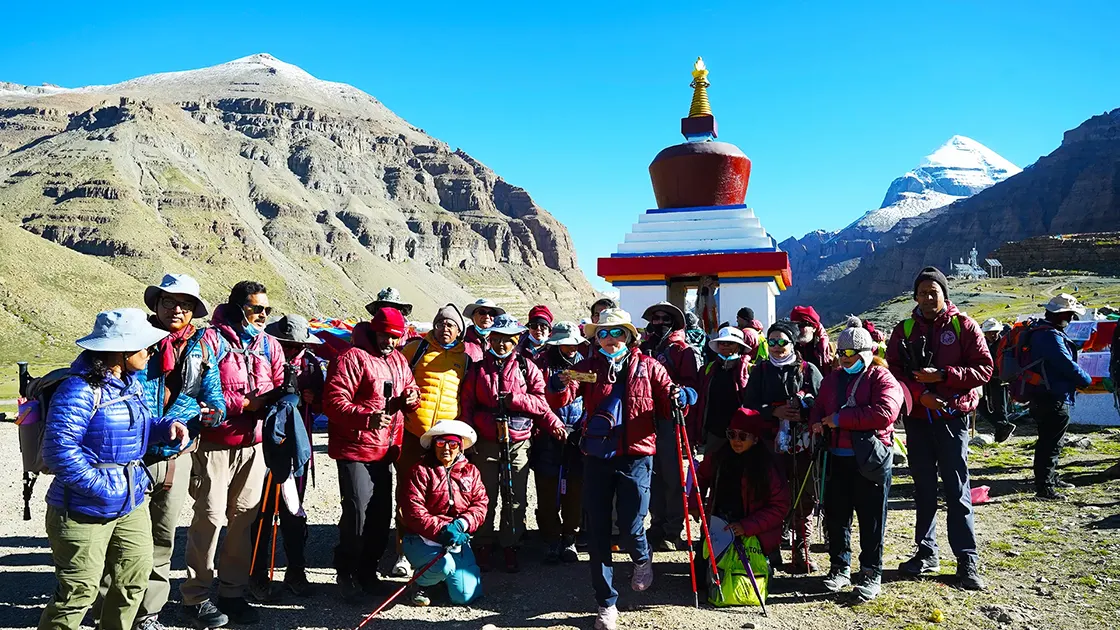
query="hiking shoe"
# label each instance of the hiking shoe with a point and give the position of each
(347, 588)
(483, 557)
(553, 554)
(1004, 431)
(1059, 483)
(512, 565)
(607, 619)
(151, 623)
(239, 611)
(401, 568)
(1049, 493)
(920, 564)
(419, 598)
(296, 582)
(837, 579)
(568, 551)
(968, 574)
(869, 586)
(262, 590)
(204, 615)
(643, 576)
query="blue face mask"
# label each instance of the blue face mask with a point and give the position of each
(729, 357)
(856, 368)
(613, 356)
(500, 356)
(481, 331)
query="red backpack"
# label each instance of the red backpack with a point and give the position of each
(1014, 364)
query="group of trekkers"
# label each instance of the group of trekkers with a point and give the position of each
(607, 416)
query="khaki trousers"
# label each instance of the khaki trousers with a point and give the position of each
(227, 485)
(487, 461)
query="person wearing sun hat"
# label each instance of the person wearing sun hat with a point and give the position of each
(721, 387)
(558, 467)
(95, 435)
(636, 390)
(502, 375)
(861, 395)
(480, 315)
(389, 297)
(1050, 402)
(443, 501)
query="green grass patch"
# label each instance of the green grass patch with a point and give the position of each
(1087, 580)
(1000, 545)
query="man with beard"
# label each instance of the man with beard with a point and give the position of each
(812, 338)
(666, 342)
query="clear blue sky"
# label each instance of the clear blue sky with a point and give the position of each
(830, 100)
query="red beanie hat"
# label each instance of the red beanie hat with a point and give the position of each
(751, 421)
(540, 311)
(805, 314)
(390, 321)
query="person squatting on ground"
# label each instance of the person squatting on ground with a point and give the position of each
(994, 402)
(368, 389)
(558, 467)
(503, 400)
(855, 411)
(1049, 403)
(228, 469)
(783, 389)
(481, 314)
(666, 342)
(939, 354)
(96, 431)
(294, 335)
(635, 390)
(812, 338)
(443, 501)
(740, 482)
(722, 386)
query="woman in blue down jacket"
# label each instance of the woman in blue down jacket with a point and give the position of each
(97, 429)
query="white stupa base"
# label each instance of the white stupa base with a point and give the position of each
(735, 293)
(636, 298)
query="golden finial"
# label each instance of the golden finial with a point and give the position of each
(700, 106)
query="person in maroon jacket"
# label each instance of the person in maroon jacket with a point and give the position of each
(812, 338)
(442, 502)
(364, 433)
(481, 314)
(619, 463)
(862, 395)
(940, 356)
(532, 344)
(505, 382)
(740, 483)
(722, 388)
(666, 342)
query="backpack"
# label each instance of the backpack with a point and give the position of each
(1014, 364)
(603, 430)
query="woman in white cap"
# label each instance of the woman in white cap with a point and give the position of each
(856, 409)
(97, 429)
(721, 387)
(443, 501)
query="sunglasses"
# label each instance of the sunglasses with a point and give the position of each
(617, 333)
(849, 353)
(539, 326)
(739, 435)
(780, 343)
(169, 303)
(446, 443)
(257, 309)
(485, 312)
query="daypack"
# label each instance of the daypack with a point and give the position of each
(604, 435)
(1015, 366)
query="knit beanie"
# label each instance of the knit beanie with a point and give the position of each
(786, 327)
(932, 273)
(857, 339)
(452, 313)
(746, 313)
(540, 313)
(390, 321)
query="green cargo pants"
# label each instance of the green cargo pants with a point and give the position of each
(84, 549)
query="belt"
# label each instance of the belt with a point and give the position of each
(130, 478)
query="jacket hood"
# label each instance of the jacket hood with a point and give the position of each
(365, 337)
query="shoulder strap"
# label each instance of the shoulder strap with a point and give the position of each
(421, 349)
(957, 325)
(907, 327)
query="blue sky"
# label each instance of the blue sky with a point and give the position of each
(830, 100)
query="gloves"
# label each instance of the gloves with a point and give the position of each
(454, 534)
(687, 396)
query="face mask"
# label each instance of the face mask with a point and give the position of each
(658, 330)
(789, 358)
(615, 356)
(729, 357)
(534, 341)
(450, 345)
(481, 331)
(500, 356)
(856, 368)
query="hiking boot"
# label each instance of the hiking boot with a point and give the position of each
(661, 545)
(1049, 493)
(401, 568)
(775, 560)
(568, 551)
(552, 556)
(1004, 431)
(920, 564)
(838, 579)
(802, 539)
(347, 588)
(483, 557)
(239, 611)
(868, 586)
(968, 574)
(1059, 483)
(607, 618)
(151, 623)
(512, 565)
(205, 615)
(296, 582)
(643, 576)
(419, 598)
(262, 590)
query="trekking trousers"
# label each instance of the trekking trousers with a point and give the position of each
(1052, 416)
(458, 569)
(367, 513)
(848, 491)
(940, 447)
(488, 463)
(627, 480)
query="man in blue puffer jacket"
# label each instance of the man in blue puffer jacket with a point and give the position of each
(1049, 406)
(97, 429)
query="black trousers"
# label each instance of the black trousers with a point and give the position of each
(293, 530)
(993, 406)
(1052, 416)
(367, 511)
(848, 491)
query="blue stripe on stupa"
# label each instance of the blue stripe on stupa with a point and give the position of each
(740, 206)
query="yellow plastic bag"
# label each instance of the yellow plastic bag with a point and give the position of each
(734, 583)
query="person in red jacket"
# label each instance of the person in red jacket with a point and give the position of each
(532, 344)
(740, 483)
(862, 395)
(504, 382)
(722, 388)
(812, 338)
(635, 390)
(940, 356)
(442, 502)
(666, 341)
(364, 435)
(481, 313)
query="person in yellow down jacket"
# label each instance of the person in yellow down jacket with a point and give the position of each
(439, 362)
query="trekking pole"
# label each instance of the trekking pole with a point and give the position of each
(400, 590)
(687, 519)
(678, 411)
(275, 523)
(738, 544)
(505, 466)
(260, 526)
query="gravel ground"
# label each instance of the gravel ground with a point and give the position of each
(560, 597)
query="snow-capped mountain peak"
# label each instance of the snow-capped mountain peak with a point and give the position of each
(961, 167)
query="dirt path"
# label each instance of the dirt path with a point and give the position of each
(1074, 547)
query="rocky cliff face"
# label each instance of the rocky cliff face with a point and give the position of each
(256, 169)
(1096, 253)
(1075, 189)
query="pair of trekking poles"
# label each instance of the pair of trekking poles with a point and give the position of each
(684, 453)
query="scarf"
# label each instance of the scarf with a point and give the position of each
(790, 358)
(171, 344)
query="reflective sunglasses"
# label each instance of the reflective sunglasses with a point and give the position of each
(739, 435)
(257, 309)
(781, 343)
(849, 353)
(446, 443)
(617, 333)
(170, 303)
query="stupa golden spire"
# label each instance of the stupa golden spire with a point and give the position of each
(700, 106)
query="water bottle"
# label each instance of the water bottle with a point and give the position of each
(782, 444)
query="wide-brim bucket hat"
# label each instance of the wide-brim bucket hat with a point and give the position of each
(177, 284)
(292, 328)
(468, 312)
(991, 325)
(565, 334)
(728, 334)
(670, 308)
(450, 427)
(389, 297)
(122, 330)
(612, 318)
(1064, 303)
(506, 325)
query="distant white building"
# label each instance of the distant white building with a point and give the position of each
(970, 270)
